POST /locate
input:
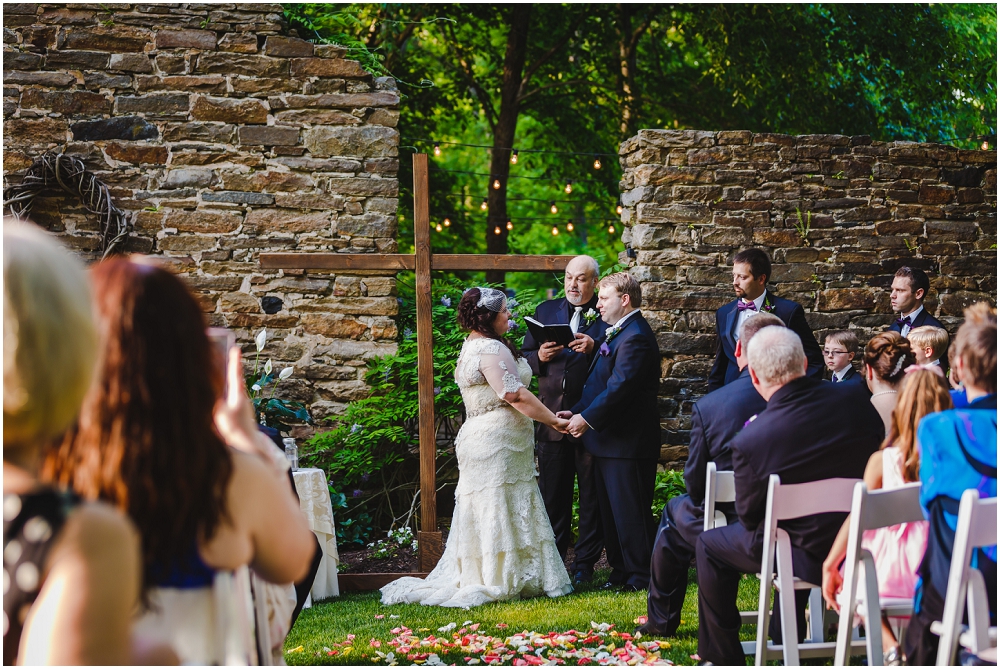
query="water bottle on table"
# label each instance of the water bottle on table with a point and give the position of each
(291, 452)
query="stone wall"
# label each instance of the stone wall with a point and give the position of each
(223, 137)
(693, 199)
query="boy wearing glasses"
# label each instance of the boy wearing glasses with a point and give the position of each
(839, 350)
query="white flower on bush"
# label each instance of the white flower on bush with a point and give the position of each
(256, 388)
(286, 372)
(268, 367)
(260, 339)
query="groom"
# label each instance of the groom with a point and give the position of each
(618, 420)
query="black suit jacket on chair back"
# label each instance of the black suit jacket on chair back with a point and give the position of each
(725, 370)
(619, 397)
(811, 430)
(561, 379)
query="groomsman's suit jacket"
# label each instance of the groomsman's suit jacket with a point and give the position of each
(715, 419)
(725, 369)
(619, 397)
(810, 431)
(923, 318)
(561, 379)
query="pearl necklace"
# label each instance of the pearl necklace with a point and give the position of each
(885, 392)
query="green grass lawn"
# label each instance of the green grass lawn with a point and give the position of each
(330, 622)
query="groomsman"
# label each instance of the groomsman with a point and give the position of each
(909, 288)
(618, 419)
(810, 431)
(751, 271)
(561, 373)
(715, 419)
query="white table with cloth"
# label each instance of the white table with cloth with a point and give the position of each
(314, 498)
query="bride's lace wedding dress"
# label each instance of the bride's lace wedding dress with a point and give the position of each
(501, 544)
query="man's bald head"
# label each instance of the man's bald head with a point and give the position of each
(582, 273)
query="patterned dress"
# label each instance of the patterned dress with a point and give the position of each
(501, 544)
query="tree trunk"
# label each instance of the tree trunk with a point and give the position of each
(628, 39)
(503, 135)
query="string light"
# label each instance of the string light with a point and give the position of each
(483, 206)
(447, 222)
(611, 229)
(597, 163)
(496, 184)
(569, 226)
(510, 226)
(569, 187)
(986, 146)
(513, 158)
(438, 227)
(437, 149)
(619, 209)
(496, 230)
(555, 231)
(553, 208)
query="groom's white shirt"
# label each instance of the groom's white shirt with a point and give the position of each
(619, 324)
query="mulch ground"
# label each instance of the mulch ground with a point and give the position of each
(361, 561)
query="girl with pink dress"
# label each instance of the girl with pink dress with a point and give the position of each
(897, 549)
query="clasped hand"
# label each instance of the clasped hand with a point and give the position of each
(575, 424)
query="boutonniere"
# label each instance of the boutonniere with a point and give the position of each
(590, 316)
(768, 306)
(612, 333)
(605, 350)
(752, 419)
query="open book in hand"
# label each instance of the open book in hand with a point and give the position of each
(561, 334)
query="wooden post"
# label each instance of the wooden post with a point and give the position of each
(429, 537)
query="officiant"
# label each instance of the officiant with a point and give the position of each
(561, 373)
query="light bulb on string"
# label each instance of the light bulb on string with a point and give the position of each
(569, 226)
(483, 206)
(513, 158)
(986, 145)
(510, 226)
(496, 230)
(597, 163)
(619, 209)
(496, 184)
(555, 230)
(447, 222)
(438, 227)
(568, 188)
(611, 229)
(553, 208)
(437, 149)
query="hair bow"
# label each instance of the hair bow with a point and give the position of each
(930, 368)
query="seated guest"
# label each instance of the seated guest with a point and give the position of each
(159, 439)
(751, 271)
(887, 355)
(898, 549)
(909, 289)
(839, 351)
(810, 431)
(928, 343)
(715, 419)
(958, 398)
(71, 569)
(958, 452)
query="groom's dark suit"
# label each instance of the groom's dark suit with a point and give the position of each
(562, 457)
(619, 404)
(725, 370)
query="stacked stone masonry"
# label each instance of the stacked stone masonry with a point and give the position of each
(693, 199)
(223, 137)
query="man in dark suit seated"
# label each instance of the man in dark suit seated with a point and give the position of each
(715, 419)
(618, 418)
(909, 288)
(561, 373)
(839, 350)
(810, 431)
(751, 271)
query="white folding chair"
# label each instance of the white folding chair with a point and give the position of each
(786, 502)
(234, 618)
(720, 487)
(871, 510)
(976, 528)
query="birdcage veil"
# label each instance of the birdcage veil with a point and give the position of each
(492, 299)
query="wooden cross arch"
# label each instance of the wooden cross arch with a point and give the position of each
(422, 262)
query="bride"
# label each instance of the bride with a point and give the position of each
(501, 544)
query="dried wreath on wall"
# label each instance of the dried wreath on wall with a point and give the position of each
(61, 171)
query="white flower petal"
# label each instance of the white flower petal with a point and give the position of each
(261, 339)
(268, 367)
(285, 373)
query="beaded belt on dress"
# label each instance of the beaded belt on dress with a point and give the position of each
(491, 407)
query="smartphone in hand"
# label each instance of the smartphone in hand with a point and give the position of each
(221, 341)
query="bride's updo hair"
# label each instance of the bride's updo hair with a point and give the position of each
(889, 354)
(480, 319)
